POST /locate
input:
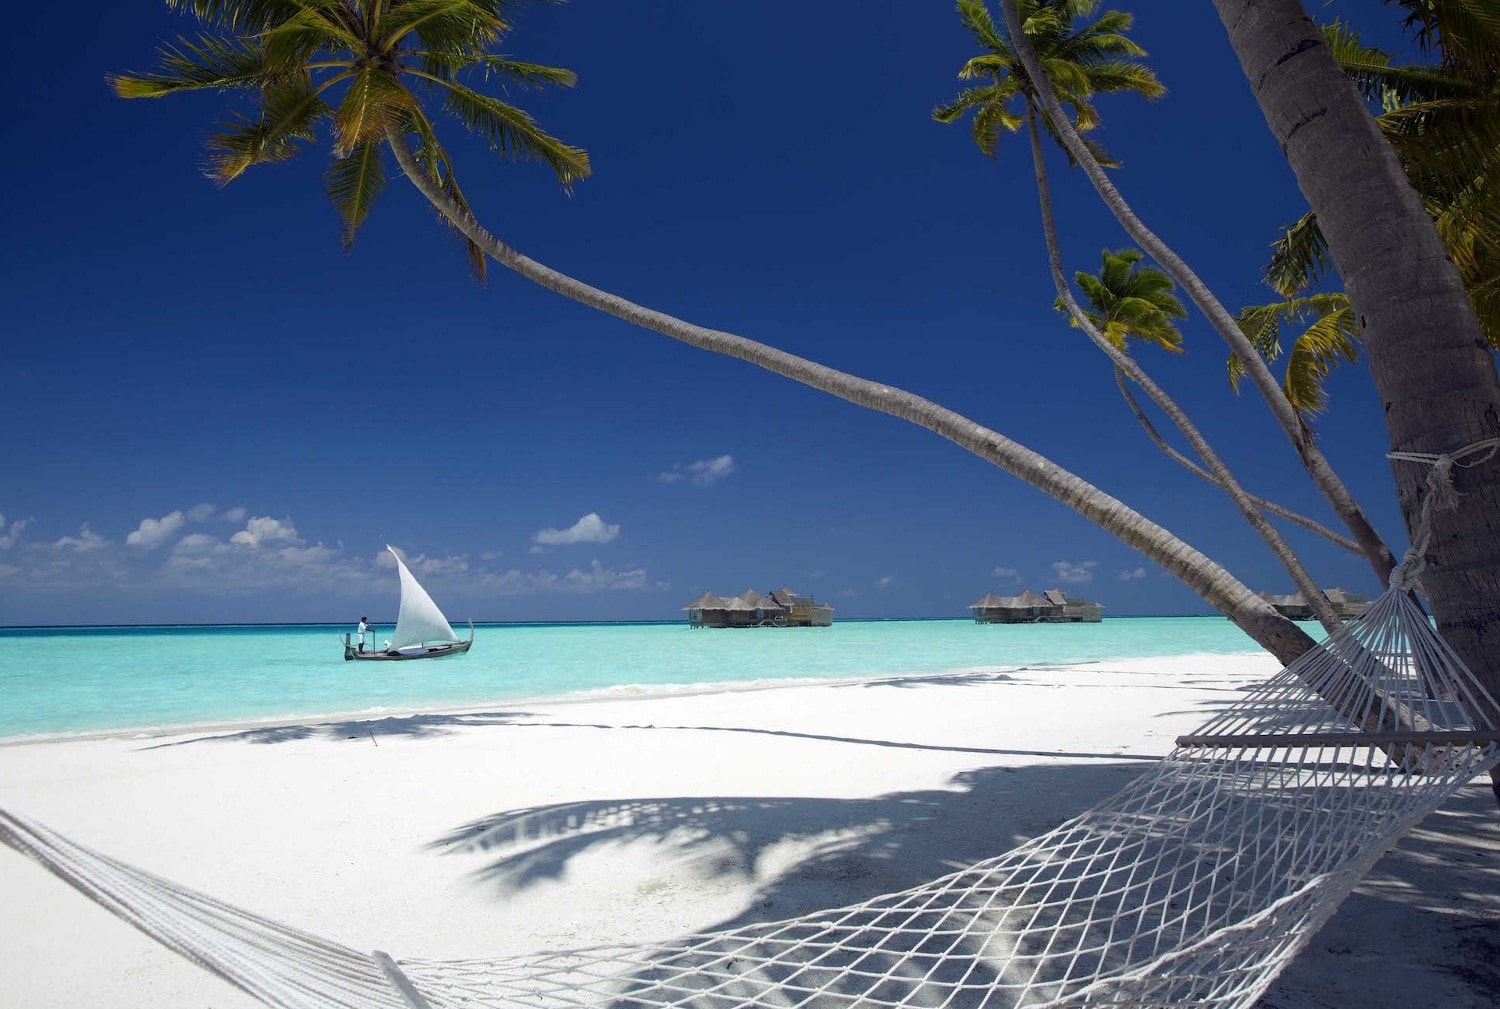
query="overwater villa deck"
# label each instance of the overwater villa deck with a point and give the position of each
(782, 608)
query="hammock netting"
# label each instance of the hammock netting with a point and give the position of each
(1194, 886)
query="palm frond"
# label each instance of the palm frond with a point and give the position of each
(513, 133)
(1330, 337)
(289, 116)
(374, 103)
(291, 43)
(436, 163)
(1464, 31)
(1329, 341)
(1299, 258)
(533, 75)
(211, 62)
(453, 26)
(353, 183)
(975, 16)
(1115, 76)
(239, 15)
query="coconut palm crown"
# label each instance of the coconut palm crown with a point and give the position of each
(1080, 62)
(1127, 300)
(369, 70)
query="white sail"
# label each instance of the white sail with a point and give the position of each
(420, 620)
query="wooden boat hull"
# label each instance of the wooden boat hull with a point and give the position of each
(352, 652)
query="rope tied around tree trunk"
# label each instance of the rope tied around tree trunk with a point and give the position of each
(1441, 496)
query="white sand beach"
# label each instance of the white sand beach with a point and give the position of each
(531, 826)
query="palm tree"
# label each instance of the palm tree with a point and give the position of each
(1312, 458)
(1081, 62)
(1086, 60)
(1428, 355)
(1130, 301)
(291, 58)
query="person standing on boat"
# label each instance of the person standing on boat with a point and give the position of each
(364, 625)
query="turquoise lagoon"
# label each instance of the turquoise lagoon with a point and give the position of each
(97, 679)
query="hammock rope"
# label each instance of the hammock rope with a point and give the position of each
(1193, 886)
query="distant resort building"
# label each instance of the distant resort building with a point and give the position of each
(1347, 605)
(1051, 607)
(782, 608)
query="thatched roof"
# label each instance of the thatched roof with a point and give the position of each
(784, 597)
(759, 600)
(1056, 597)
(707, 601)
(1025, 600)
(987, 601)
(735, 603)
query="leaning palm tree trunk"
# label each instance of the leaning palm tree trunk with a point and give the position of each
(1428, 356)
(1313, 460)
(1222, 476)
(1217, 586)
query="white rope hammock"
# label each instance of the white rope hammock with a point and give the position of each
(1194, 886)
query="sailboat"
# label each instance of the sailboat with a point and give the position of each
(422, 632)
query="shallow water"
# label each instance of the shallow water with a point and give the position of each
(73, 680)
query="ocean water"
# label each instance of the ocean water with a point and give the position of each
(81, 680)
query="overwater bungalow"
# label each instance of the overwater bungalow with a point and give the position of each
(1050, 607)
(1347, 605)
(781, 608)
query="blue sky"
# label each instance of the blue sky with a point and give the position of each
(214, 414)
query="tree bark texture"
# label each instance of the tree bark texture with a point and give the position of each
(1257, 618)
(1428, 356)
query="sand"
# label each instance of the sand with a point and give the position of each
(557, 824)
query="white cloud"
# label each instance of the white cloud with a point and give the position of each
(1075, 574)
(589, 529)
(86, 541)
(201, 512)
(455, 564)
(303, 557)
(886, 582)
(1130, 576)
(9, 539)
(152, 533)
(700, 473)
(596, 579)
(263, 530)
(1008, 574)
(199, 543)
(234, 515)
